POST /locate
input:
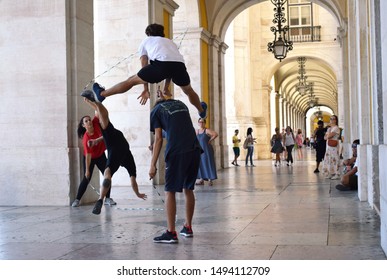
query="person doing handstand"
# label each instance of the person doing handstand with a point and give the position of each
(119, 153)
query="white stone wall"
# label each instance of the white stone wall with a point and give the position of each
(37, 101)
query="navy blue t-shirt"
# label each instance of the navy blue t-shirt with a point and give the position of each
(173, 117)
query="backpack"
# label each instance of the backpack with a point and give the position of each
(245, 144)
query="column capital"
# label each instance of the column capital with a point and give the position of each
(342, 31)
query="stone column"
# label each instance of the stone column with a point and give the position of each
(381, 28)
(216, 94)
(46, 60)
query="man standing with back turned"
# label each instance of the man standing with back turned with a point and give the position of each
(182, 159)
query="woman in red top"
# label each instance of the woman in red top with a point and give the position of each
(94, 154)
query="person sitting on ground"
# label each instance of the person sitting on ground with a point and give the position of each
(349, 179)
(349, 163)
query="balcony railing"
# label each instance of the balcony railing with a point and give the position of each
(305, 34)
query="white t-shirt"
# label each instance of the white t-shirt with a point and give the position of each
(160, 48)
(289, 140)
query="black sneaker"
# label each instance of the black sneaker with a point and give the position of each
(97, 88)
(316, 171)
(343, 188)
(89, 94)
(187, 231)
(166, 237)
(97, 207)
(203, 114)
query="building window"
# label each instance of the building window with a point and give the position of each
(301, 21)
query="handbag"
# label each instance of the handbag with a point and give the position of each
(245, 144)
(332, 142)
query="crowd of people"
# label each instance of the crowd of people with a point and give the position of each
(327, 144)
(189, 154)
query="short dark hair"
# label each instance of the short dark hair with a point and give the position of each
(357, 142)
(320, 122)
(155, 29)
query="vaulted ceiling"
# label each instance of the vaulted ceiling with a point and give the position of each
(318, 73)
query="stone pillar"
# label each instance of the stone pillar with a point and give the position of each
(373, 175)
(281, 112)
(362, 172)
(277, 110)
(383, 195)
(41, 83)
(216, 95)
(381, 6)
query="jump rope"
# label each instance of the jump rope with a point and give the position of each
(182, 36)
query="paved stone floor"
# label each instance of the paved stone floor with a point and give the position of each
(251, 213)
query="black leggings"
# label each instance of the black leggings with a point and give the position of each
(101, 164)
(289, 151)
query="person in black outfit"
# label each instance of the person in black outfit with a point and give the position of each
(119, 153)
(321, 144)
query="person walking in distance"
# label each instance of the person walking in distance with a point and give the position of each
(236, 142)
(277, 147)
(321, 144)
(288, 142)
(250, 146)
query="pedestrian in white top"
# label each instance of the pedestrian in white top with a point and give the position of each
(289, 141)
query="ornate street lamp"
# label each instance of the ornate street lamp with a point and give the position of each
(280, 46)
(313, 100)
(302, 87)
(318, 113)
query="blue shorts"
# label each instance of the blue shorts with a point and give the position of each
(157, 71)
(237, 151)
(181, 171)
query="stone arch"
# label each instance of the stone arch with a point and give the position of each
(223, 15)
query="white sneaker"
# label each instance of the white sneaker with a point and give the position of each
(110, 201)
(75, 203)
(336, 177)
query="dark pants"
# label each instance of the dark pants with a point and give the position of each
(101, 164)
(289, 150)
(320, 150)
